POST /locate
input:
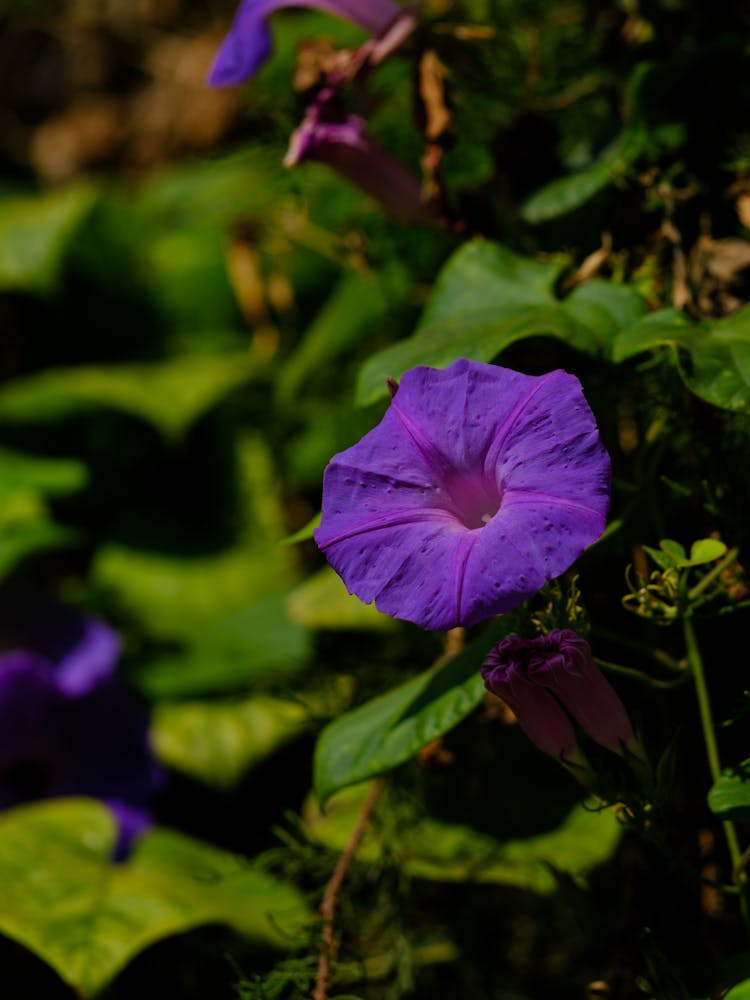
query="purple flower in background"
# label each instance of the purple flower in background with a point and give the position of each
(248, 43)
(478, 486)
(535, 676)
(340, 140)
(68, 726)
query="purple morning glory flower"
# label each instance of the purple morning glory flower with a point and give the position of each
(340, 140)
(536, 676)
(478, 486)
(69, 726)
(248, 43)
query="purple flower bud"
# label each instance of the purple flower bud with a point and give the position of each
(340, 140)
(69, 726)
(558, 664)
(478, 486)
(248, 43)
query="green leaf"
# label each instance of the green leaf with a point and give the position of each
(485, 299)
(169, 394)
(304, 534)
(50, 476)
(605, 309)
(730, 796)
(17, 541)
(705, 550)
(674, 550)
(739, 992)
(390, 729)
(447, 852)
(713, 359)
(354, 306)
(564, 194)
(63, 899)
(217, 742)
(35, 233)
(322, 602)
(230, 653)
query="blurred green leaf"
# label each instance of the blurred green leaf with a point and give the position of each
(177, 597)
(485, 299)
(739, 992)
(564, 194)
(355, 305)
(648, 131)
(49, 476)
(446, 852)
(87, 918)
(730, 795)
(217, 742)
(230, 653)
(169, 394)
(713, 358)
(17, 541)
(305, 533)
(390, 729)
(35, 232)
(322, 602)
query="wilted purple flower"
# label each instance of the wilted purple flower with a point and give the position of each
(535, 676)
(340, 140)
(478, 486)
(248, 43)
(68, 726)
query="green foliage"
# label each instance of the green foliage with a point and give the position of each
(713, 358)
(487, 298)
(322, 602)
(672, 555)
(218, 741)
(445, 852)
(390, 729)
(36, 232)
(65, 900)
(170, 394)
(730, 795)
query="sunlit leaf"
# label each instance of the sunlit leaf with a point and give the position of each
(217, 742)
(34, 234)
(63, 899)
(230, 653)
(169, 394)
(49, 476)
(447, 852)
(730, 795)
(705, 550)
(323, 602)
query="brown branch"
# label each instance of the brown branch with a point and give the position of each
(328, 944)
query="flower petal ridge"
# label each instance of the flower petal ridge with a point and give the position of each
(479, 485)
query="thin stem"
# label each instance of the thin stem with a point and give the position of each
(712, 575)
(638, 675)
(331, 894)
(712, 753)
(628, 642)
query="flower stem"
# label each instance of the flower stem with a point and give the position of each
(712, 753)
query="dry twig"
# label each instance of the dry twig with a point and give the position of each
(328, 944)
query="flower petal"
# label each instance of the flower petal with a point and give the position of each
(248, 42)
(462, 409)
(553, 446)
